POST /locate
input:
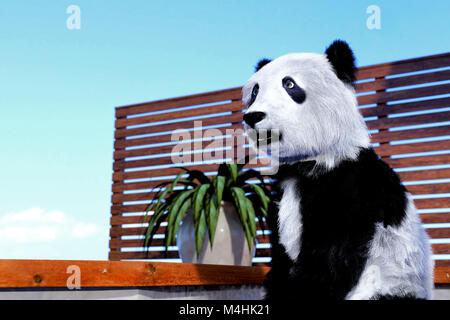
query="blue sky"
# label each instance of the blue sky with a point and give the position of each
(59, 88)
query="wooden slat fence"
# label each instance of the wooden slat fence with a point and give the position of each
(406, 105)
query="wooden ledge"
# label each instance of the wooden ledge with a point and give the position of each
(56, 273)
(60, 274)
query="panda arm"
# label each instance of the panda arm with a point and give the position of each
(387, 195)
(281, 263)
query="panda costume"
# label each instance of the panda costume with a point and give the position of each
(343, 226)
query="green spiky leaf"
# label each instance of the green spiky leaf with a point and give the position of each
(172, 213)
(196, 174)
(219, 186)
(241, 206)
(151, 229)
(200, 230)
(233, 170)
(249, 174)
(197, 200)
(164, 193)
(180, 216)
(251, 217)
(261, 195)
(212, 216)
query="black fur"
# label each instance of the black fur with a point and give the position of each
(343, 61)
(253, 96)
(296, 93)
(339, 210)
(261, 64)
(252, 118)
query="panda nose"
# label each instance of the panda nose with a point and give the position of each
(253, 118)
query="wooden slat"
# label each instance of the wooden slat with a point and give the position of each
(201, 111)
(165, 160)
(168, 158)
(180, 157)
(431, 188)
(138, 243)
(403, 66)
(418, 161)
(383, 83)
(133, 231)
(432, 203)
(260, 252)
(185, 101)
(424, 175)
(413, 189)
(139, 231)
(118, 209)
(117, 244)
(382, 97)
(150, 186)
(53, 274)
(135, 255)
(443, 217)
(193, 146)
(131, 243)
(120, 176)
(441, 248)
(390, 149)
(146, 185)
(386, 136)
(119, 220)
(119, 255)
(123, 220)
(386, 123)
(442, 264)
(140, 196)
(234, 117)
(397, 108)
(420, 203)
(120, 187)
(438, 233)
(125, 143)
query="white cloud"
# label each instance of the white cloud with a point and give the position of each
(27, 235)
(36, 225)
(34, 215)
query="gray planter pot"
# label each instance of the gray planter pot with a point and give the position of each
(230, 245)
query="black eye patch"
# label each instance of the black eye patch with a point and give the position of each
(255, 91)
(297, 94)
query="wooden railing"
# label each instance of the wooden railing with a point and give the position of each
(123, 274)
(401, 101)
(114, 274)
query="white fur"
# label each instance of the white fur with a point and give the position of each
(289, 219)
(326, 127)
(399, 261)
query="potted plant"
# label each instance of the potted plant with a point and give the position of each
(202, 204)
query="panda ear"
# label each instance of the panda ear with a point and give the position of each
(343, 61)
(261, 64)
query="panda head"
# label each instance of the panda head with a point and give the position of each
(309, 100)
